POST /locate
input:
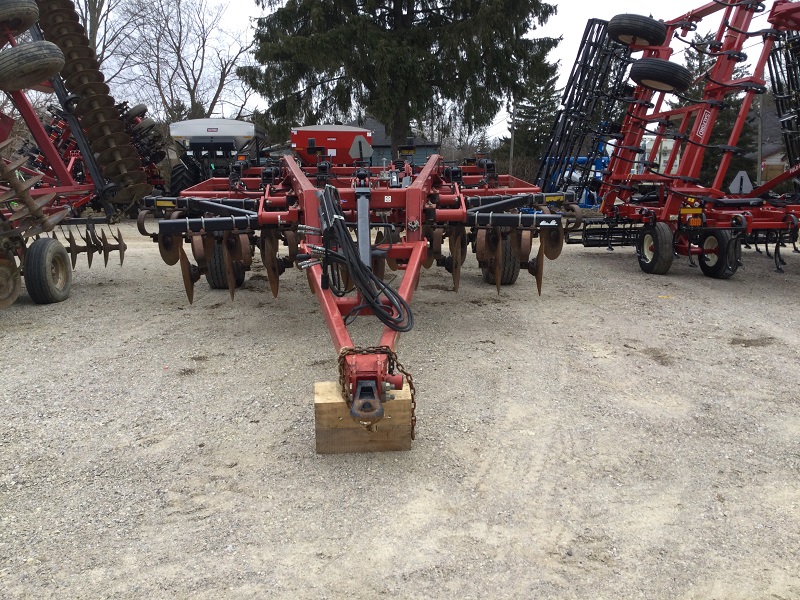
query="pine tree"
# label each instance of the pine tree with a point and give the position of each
(395, 59)
(534, 113)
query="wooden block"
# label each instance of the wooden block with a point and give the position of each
(337, 433)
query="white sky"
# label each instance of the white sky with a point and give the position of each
(568, 23)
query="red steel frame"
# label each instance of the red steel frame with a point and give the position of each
(678, 196)
(294, 200)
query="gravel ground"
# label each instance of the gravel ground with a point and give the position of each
(623, 436)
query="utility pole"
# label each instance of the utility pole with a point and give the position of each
(511, 150)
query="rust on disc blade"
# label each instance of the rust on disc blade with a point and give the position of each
(498, 262)
(10, 282)
(456, 253)
(121, 246)
(170, 247)
(227, 260)
(186, 272)
(552, 242)
(270, 258)
(536, 268)
(198, 249)
(112, 140)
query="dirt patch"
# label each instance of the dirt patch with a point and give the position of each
(623, 436)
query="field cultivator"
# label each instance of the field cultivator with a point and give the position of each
(661, 206)
(344, 221)
(92, 153)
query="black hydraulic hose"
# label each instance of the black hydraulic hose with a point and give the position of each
(397, 315)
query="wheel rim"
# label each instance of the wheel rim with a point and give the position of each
(711, 250)
(657, 85)
(58, 272)
(648, 247)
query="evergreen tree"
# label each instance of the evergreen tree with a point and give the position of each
(534, 114)
(394, 59)
(699, 62)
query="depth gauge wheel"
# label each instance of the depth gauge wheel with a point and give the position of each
(29, 64)
(661, 75)
(18, 15)
(654, 249)
(216, 270)
(510, 268)
(10, 282)
(720, 258)
(48, 275)
(637, 30)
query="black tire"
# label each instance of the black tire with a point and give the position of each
(180, 179)
(654, 248)
(144, 126)
(29, 64)
(134, 112)
(510, 268)
(637, 30)
(661, 75)
(18, 15)
(47, 270)
(216, 270)
(720, 258)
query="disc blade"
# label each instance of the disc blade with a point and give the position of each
(553, 241)
(170, 247)
(227, 260)
(186, 273)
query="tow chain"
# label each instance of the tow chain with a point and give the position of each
(393, 365)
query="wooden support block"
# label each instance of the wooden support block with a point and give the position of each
(337, 433)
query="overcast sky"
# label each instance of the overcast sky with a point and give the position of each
(569, 23)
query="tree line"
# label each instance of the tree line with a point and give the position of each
(441, 69)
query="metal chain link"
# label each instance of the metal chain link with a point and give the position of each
(393, 365)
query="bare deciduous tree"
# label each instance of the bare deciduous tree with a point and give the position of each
(107, 24)
(181, 62)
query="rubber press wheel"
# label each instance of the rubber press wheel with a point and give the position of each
(661, 75)
(510, 268)
(216, 270)
(637, 30)
(47, 270)
(720, 258)
(18, 15)
(654, 249)
(29, 64)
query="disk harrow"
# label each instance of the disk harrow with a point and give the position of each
(91, 101)
(651, 194)
(49, 184)
(344, 225)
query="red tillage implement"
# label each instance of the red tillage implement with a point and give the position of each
(651, 194)
(345, 223)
